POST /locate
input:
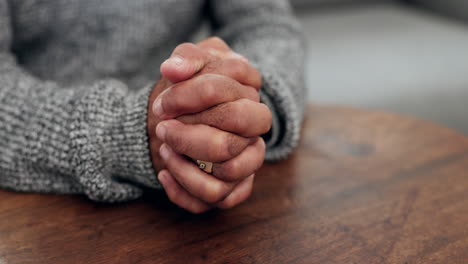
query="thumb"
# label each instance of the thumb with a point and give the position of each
(186, 60)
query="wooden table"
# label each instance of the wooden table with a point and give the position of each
(363, 187)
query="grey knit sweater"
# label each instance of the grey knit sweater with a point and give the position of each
(75, 78)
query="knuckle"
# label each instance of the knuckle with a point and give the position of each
(213, 66)
(248, 194)
(229, 87)
(216, 192)
(210, 94)
(197, 209)
(238, 67)
(218, 40)
(173, 195)
(228, 204)
(219, 148)
(237, 117)
(229, 171)
(209, 77)
(226, 148)
(233, 145)
(209, 84)
(181, 48)
(254, 95)
(258, 79)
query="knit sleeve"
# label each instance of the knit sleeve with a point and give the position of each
(266, 32)
(89, 139)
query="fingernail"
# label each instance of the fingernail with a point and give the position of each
(162, 177)
(164, 152)
(157, 107)
(175, 61)
(161, 131)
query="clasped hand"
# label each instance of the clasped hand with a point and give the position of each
(206, 107)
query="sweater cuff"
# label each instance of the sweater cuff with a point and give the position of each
(287, 116)
(133, 159)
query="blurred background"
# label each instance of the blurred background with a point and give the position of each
(405, 56)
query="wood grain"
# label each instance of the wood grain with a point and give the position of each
(363, 187)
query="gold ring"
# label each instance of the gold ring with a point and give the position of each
(205, 166)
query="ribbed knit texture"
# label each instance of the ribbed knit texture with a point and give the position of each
(75, 77)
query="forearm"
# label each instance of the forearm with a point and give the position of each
(89, 139)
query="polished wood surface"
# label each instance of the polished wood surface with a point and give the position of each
(363, 187)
